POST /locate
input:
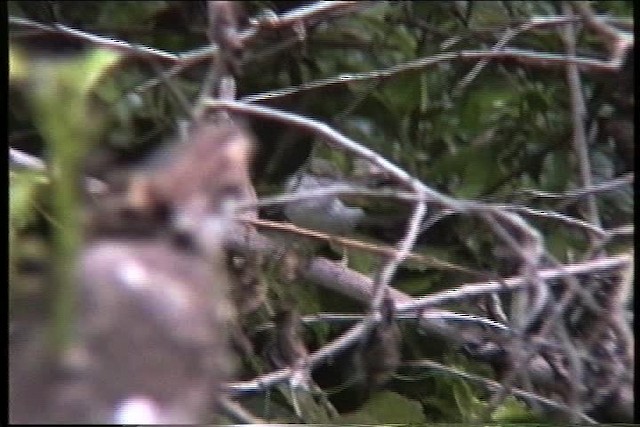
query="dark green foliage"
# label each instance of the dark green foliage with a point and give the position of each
(508, 130)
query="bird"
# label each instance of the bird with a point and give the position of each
(327, 214)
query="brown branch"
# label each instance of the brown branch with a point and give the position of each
(106, 42)
(516, 283)
(578, 115)
(338, 278)
(306, 14)
(404, 249)
(544, 60)
(336, 139)
(609, 185)
(617, 42)
(382, 250)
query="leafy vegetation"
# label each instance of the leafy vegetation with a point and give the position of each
(498, 131)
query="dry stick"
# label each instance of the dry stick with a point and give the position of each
(306, 14)
(498, 210)
(578, 116)
(404, 249)
(522, 56)
(335, 138)
(515, 283)
(535, 22)
(345, 143)
(332, 190)
(509, 35)
(556, 310)
(609, 185)
(578, 113)
(530, 253)
(358, 286)
(386, 251)
(351, 318)
(107, 42)
(526, 307)
(466, 80)
(618, 42)
(575, 371)
(338, 190)
(388, 270)
(592, 229)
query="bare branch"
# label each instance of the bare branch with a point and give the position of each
(578, 114)
(609, 185)
(530, 58)
(384, 251)
(335, 139)
(617, 41)
(404, 249)
(107, 42)
(518, 282)
(306, 14)
(543, 21)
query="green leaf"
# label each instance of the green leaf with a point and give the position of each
(401, 95)
(18, 67)
(514, 411)
(386, 407)
(416, 284)
(60, 95)
(481, 106)
(477, 167)
(23, 191)
(471, 408)
(556, 171)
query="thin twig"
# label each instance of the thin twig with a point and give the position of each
(617, 42)
(450, 316)
(578, 115)
(526, 57)
(238, 413)
(306, 14)
(494, 385)
(560, 217)
(535, 22)
(385, 251)
(107, 42)
(394, 261)
(332, 190)
(609, 185)
(338, 140)
(463, 292)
